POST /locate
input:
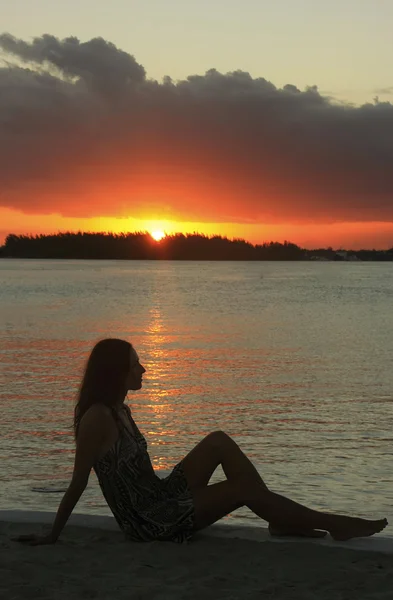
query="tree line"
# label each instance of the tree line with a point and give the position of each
(141, 246)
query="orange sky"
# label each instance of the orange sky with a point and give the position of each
(345, 235)
(89, 142)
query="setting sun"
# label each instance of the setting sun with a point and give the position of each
(157, 235)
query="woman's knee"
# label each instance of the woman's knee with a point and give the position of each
(218, 438)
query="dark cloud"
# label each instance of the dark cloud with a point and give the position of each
(84, 132)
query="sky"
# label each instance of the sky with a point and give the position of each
(256, 119)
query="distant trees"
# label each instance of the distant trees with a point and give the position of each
(141, 246)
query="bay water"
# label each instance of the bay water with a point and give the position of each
(293, 360)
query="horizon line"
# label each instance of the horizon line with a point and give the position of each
(195, 233)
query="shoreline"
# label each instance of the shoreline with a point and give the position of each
(201, 259)
(92, 559)
(377, 543)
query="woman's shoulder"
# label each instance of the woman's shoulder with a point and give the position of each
(97, 413)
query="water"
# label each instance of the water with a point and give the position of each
(294, 360)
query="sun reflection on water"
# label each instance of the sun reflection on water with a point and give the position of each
(224, 349)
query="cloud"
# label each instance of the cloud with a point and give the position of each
(385, 91)
(84, 132)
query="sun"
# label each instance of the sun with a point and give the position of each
(158, 235)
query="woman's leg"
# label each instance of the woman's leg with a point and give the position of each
(216, 449)
(245, 487)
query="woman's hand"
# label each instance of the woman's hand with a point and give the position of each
(35, 540)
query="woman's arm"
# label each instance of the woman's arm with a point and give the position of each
(67, 505)
(93, 430)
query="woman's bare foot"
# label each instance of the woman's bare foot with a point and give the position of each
(277, 531)
(346, 528)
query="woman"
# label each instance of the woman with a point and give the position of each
(149, 508)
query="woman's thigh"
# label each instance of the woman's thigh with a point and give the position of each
(213, 502)
(200, 464)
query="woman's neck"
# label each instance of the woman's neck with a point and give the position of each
(120, 403)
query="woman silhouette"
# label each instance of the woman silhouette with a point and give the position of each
(147, 507)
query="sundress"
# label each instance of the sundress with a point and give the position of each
(145, 506)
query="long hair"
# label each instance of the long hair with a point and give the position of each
(104, 379)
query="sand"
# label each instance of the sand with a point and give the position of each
(93, 560)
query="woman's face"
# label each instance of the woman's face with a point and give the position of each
(134, 380)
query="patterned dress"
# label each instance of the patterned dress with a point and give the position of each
(145, 506)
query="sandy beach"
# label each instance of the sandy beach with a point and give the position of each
(223, 562)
